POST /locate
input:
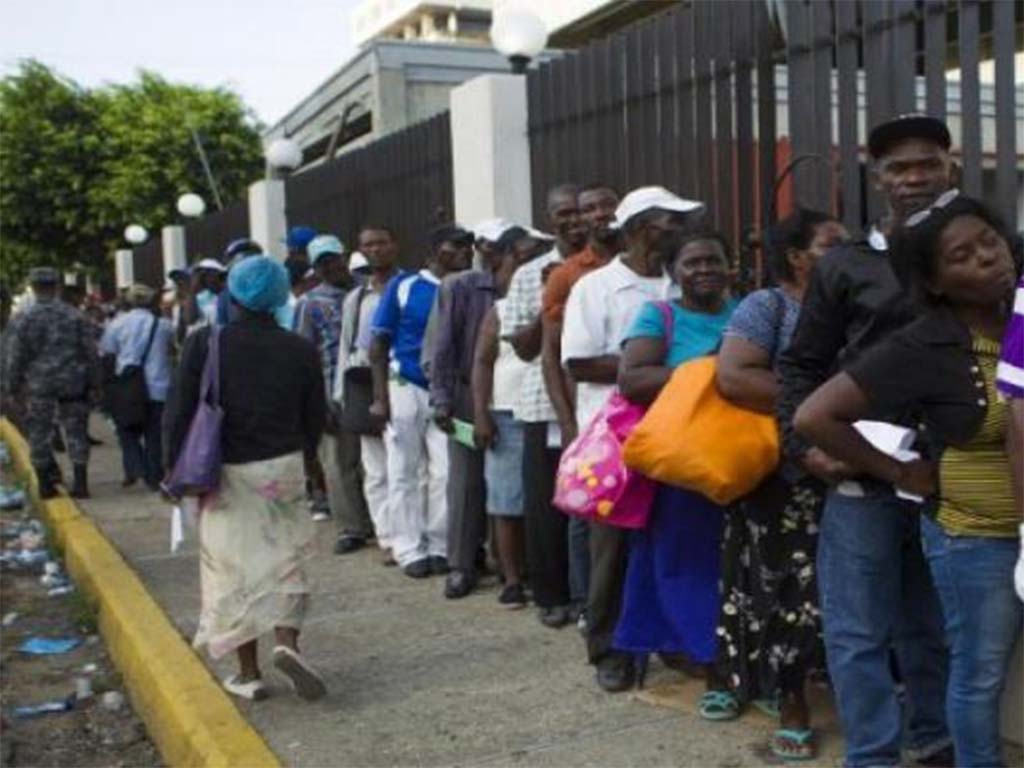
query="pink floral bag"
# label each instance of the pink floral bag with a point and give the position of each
(593, 481)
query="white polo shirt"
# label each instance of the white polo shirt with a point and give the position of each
(600, 309)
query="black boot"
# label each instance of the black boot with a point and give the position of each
(47, 477)
(80, 490)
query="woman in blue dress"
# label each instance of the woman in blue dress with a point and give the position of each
(670, 603)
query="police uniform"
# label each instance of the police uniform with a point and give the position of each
(52, 364)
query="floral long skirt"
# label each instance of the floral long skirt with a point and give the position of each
(769, 632)
(255, 537)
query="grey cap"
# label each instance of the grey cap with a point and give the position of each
(43, 276)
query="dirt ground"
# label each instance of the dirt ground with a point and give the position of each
(89, 734)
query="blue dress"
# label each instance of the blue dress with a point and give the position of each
(670, 600)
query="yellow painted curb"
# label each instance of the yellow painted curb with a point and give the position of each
(186, 712)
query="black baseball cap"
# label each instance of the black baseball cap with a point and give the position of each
(451, 233)
(915, 125)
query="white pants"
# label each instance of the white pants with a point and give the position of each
(417, 504)
(375, 486)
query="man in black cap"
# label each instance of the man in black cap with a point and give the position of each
(875, 588)
(51, 363)
(463, 299)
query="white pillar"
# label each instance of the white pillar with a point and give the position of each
(124, 268)
(491, 150)
(267, 222)
(173, 242)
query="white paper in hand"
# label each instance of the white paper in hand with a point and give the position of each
(906, 456)
(889, 438)
(177, 529)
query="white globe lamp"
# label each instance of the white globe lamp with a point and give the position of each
(519, 35)
(135, 234)
(284, 155)
(191, 205)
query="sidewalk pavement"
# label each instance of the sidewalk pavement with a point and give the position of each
(415, 679)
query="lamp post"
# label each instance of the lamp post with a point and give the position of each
(283, 157)
(191, 205)
(519, 35)
(135, 234)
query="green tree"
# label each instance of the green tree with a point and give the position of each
(48, 162)
(76, 165)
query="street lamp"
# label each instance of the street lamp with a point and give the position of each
(283, 156)
(135, 234)
(191, 205)
(519, 35)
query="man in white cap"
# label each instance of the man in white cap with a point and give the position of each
(318, 318)
(209, 279)
(598, 313)
(353, 380)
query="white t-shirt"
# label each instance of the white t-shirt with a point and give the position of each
(600, 308)
(509, 373)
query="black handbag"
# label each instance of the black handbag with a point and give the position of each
(357, 390)
(127, 393)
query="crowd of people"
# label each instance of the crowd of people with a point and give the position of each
(429, 410)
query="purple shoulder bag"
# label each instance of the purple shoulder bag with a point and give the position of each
(197, 470)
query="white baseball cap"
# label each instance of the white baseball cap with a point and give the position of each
(652, 198)
(357, 261)
(211, 264)
(536, 234)
(491, 229)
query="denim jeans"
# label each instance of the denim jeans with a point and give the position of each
(974, 579)
(141, 452)
(579, 560)
(877, 596)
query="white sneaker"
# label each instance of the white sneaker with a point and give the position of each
(254, 690)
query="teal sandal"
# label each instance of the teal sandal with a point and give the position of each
(719, 706)
(793, 745)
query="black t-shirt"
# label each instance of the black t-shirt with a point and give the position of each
(271, 389)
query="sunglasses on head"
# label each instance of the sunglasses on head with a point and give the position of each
(941, 201)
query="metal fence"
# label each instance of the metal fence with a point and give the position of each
(204, 238)
(148, 263)
(714, 99)
(207, 237)
(402, 181)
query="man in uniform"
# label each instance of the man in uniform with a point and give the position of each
(52, 365)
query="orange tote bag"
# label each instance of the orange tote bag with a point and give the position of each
(693, 438)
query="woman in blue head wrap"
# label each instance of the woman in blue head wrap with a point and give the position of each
(255, 534)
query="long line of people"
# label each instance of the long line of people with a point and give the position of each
(441, 413)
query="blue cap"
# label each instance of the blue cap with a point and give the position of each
(259, 283)
(299, 237)
(324, 245)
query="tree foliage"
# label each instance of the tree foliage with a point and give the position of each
(77, 165)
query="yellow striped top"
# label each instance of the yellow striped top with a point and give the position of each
(976, 496)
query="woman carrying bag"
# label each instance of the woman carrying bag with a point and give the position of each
(769, 632)
(670, 600)
(255, 534)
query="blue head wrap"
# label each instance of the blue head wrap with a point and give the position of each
(259, 283)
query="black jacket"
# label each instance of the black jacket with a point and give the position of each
(854, 300)
(271, 389)
(929, 369)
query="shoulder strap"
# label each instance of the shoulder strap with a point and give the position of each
(209, 384)
(149, 342)
(780, 316)
(668, 316)
(359, 308)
